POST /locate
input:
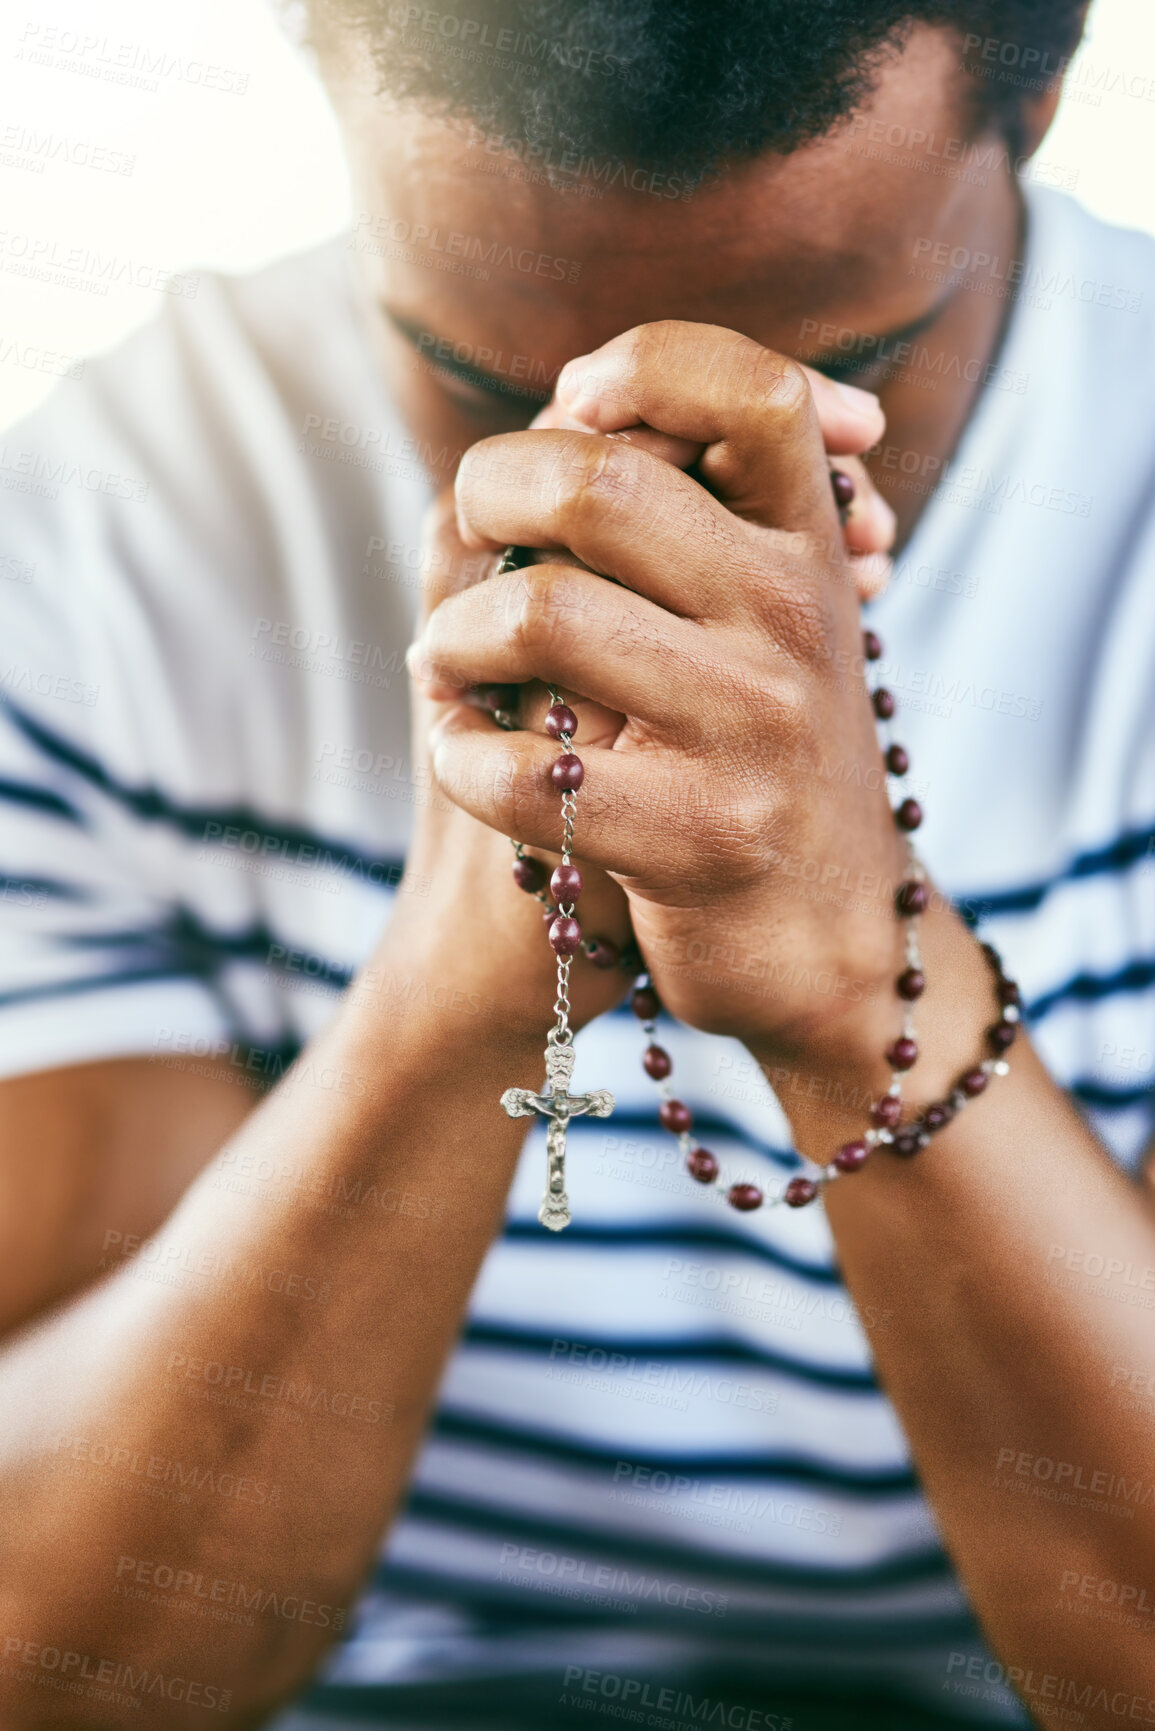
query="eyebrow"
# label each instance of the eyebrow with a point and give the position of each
(509, 390)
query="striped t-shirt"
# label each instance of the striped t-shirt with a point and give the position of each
(660, 1452)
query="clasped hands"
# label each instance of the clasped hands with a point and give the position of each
(697, 601)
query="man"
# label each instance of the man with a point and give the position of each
(657, 1476)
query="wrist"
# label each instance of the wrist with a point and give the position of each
(826, 1086)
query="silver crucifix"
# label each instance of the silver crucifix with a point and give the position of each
(557, 1106)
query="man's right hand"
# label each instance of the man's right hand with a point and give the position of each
(466, 914)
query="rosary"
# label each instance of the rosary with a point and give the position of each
(557, 1105)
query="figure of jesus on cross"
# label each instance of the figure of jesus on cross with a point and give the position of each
(557, 1106)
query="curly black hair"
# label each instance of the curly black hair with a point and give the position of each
(679, 84)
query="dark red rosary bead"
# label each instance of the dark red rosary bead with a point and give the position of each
(565, 883)
(885, 1113)
(567, 772)
(702, 1165)
(843, 488)
(657, 1063)
(528, 874)
(911, 899)
(884, 704)
(872, 645)
(1008, 992)
(602, 953)
(909, 815)
(560, 719)
(911, 984)
(937, 1116)
(897, 760)
(799, 1192)
(905, 1144)
(1002, 1035)
(851, 1156)
(902, 1054)
(644, 1003)
(495, 697)
(675, 1115)
(973, 1082)
(565, 935)
(744, 1197)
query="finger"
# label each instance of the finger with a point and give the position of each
(504, 780)
(683, 453)
(869, 523)
(567, 627)
(850, 419)
(756, 412)
(622, 511)
(447, 564)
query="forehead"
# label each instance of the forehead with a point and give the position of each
(453, 227)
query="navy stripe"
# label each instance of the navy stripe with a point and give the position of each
(1115, 856)
(633, 1550)
(1109, 1099)
(1134, 976)
(19, 888)
(208, 949)
(674, 1234)
(93, 983)
(721, 1350)
(791, 1468)
(154, 806)
(38, 799)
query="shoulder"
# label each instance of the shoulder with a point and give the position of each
(184, 428)
(1090, 287)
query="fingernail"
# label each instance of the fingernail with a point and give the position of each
(413, 659)
(862, 403)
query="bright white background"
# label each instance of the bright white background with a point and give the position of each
(228, 177)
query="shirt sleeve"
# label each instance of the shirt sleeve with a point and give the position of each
(94, 961)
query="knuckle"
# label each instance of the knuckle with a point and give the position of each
(592, 473)
(779, 389)
(516, 794)
(804, 629)
(547, 606)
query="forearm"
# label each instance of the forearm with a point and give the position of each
(268, 1423)
(1007, 1380)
